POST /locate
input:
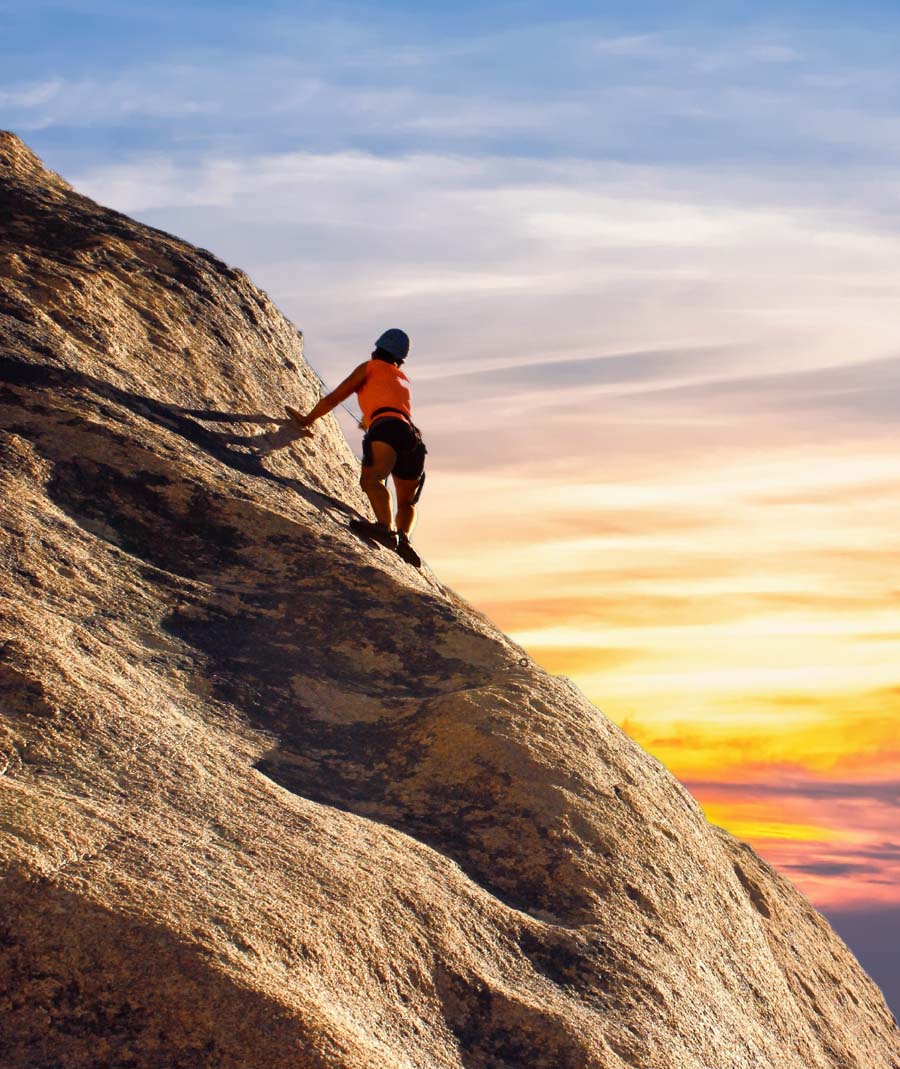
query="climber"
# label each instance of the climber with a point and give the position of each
(392, 445)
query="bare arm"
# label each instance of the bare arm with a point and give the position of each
(340, 393)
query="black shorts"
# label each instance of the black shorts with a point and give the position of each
(404, 440)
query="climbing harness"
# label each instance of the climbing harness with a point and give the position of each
(419, 442)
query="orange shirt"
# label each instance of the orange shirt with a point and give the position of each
(385, 387)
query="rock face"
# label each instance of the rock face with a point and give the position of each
(272, 798)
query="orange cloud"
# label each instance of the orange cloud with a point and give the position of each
(826, 734)
(649, 610)
(834, 836)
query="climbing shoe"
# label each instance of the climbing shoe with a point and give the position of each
(375, 531)
(406, 551)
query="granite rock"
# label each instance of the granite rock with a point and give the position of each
(270, 796)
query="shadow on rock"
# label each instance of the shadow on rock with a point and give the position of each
(182, 421)
(80, 979)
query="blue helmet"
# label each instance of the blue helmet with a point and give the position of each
(395, 342)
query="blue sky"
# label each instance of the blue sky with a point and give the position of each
(652, 251)
(751, 85)
(735, 112)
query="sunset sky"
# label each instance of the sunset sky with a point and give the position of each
(651, 270)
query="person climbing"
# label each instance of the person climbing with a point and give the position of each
(392, 445)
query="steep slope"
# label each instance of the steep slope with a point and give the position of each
(273, 798)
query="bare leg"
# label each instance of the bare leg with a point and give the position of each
(406, 509)
(373, 480)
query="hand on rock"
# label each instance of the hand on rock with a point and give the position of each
(299, 421)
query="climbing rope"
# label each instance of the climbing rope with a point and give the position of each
(357, 418)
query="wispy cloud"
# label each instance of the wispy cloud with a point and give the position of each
(61, 102)
(834, 839)
(31, 96)
(789, 784)
(549, 260)
(271, 79)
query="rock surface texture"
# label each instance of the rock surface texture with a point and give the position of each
(271, 797)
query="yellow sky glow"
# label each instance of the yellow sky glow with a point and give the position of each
(735, 614)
